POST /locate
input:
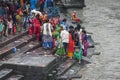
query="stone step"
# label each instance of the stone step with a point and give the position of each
(8, 49)
(41, 51)
(64, 67)
(15, 77)
(28, 47)
(69, 77)
(86, 59)
(11, 39)
(5, 73)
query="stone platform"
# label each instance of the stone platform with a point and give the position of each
(32, 67)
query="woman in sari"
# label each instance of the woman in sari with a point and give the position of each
(71, 42)
(59, 45)
(85, 43)
(71, 47)
(1, 27)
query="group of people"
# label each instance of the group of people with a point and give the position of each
(14, 14)
(53, 32)
(13, 17)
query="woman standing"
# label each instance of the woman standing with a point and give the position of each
(1, 27)
(71, 42)
(85, 43)
(71, 46)
(37, 27)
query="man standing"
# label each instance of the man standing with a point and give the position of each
(65, 39)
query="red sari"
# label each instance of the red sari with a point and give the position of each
(37, 28)
(71, 46)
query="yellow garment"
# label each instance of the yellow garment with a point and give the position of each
(70, 54)
(19, 18)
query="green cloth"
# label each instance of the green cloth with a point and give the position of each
(56, 34)
(60, 51)
(18, 29)
(78, 55)
(58, 28)
(1, 27)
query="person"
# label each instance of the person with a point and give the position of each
(78, 26)
(10, 26)
(74, 17)
(37, 26)
(64, 24)
(42, 5)
(25, 15)
(5, 26)
(78, 53)
(76, 36)
(44, 17)
(48, 3)
(58, 43)
(86, 46)
(31, 26)
(1, 26)
(47, 35)
(57, 20)
(33, 4)
(14, 29)
(85, 43)
(65, 39)
(52, 21)
(71, 46)
(21, 2)
(19, 18)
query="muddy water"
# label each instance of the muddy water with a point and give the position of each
(102, 17)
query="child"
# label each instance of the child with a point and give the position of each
(14, 29)
(10, 26)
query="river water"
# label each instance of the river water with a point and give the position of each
(102, 17)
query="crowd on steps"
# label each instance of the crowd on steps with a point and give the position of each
(53, 32)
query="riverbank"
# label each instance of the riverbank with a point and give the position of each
(102, 18)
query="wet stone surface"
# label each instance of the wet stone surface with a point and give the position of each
(37, 61)
(102, 17)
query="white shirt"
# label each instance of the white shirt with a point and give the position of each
(10, 24)
(65, 36)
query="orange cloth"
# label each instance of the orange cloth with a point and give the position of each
(21, 2)
(44, 17)
(73, 16)
(71, 46)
